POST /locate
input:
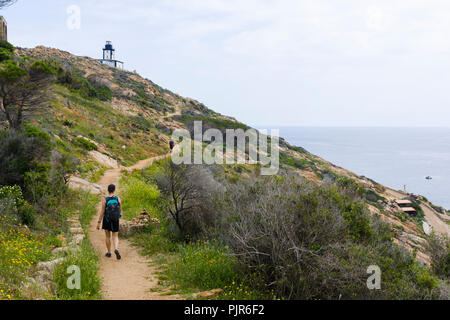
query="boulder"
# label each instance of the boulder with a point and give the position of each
(77, 239)
(81, 184)
(76, 230)
(48, 266)
(57, 251)
(104, 160)
(75, 225)
(73, 220)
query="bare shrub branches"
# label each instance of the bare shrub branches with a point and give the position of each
(189, 190)
(313, 242)
(439, 248)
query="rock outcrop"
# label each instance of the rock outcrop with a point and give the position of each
(129, 228)
(81, 184)
(104, 160)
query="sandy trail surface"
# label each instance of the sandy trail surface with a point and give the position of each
(131, 278)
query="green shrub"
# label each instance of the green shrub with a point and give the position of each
(439, 248)
(37, 186)
(5, 55)
(420, 215)
(20, 152)
(203, 265)
(138, 195)
(87, 261)
(153, 241)
(19, 251)
(68, 123)
(302, 164)
(359, 223)
(85, 144)
(217, 123)
(98, 174)
(316, 242)
(142, 123)
(13, 205)
(86, 203)
(87, 88)
(42, 67)
(102, 92)
(27, 214)
(6, 50)
(7, 46)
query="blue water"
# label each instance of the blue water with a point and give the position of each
(391, 156)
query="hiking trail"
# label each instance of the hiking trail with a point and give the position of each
(131, 278)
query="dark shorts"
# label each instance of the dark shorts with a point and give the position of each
(112, 226)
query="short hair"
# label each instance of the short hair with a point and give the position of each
(111, 188)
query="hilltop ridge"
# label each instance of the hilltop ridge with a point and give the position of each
(109, 117)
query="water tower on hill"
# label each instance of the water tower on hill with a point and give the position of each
(109, 56)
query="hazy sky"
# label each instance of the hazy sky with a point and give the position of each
(269, 62)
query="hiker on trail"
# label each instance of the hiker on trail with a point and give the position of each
(172, 145)
(110, 214)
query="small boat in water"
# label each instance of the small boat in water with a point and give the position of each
(429, 178)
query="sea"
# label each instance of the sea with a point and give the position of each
(394, 157)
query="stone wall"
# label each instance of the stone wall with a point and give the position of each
(42, 281)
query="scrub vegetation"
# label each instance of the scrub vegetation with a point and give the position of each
(35, 201)
(277, 238)
(309, 233)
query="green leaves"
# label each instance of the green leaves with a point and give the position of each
(85, 144)
(7, 46)
(11, 72)
(5, 54)
(42, 67)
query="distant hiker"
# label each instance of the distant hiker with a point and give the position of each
(172, 145)
(110, 214)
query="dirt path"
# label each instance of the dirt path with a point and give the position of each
(145, 163)
(130, 278)
(436, 223)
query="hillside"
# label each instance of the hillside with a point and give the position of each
(111, 118)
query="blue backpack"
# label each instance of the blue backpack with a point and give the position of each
(112, 210)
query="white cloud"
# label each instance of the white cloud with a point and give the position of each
(292, 54)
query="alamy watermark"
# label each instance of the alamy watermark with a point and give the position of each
(74, 280)
(234, 146)
(374, 281)
(74, 17)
